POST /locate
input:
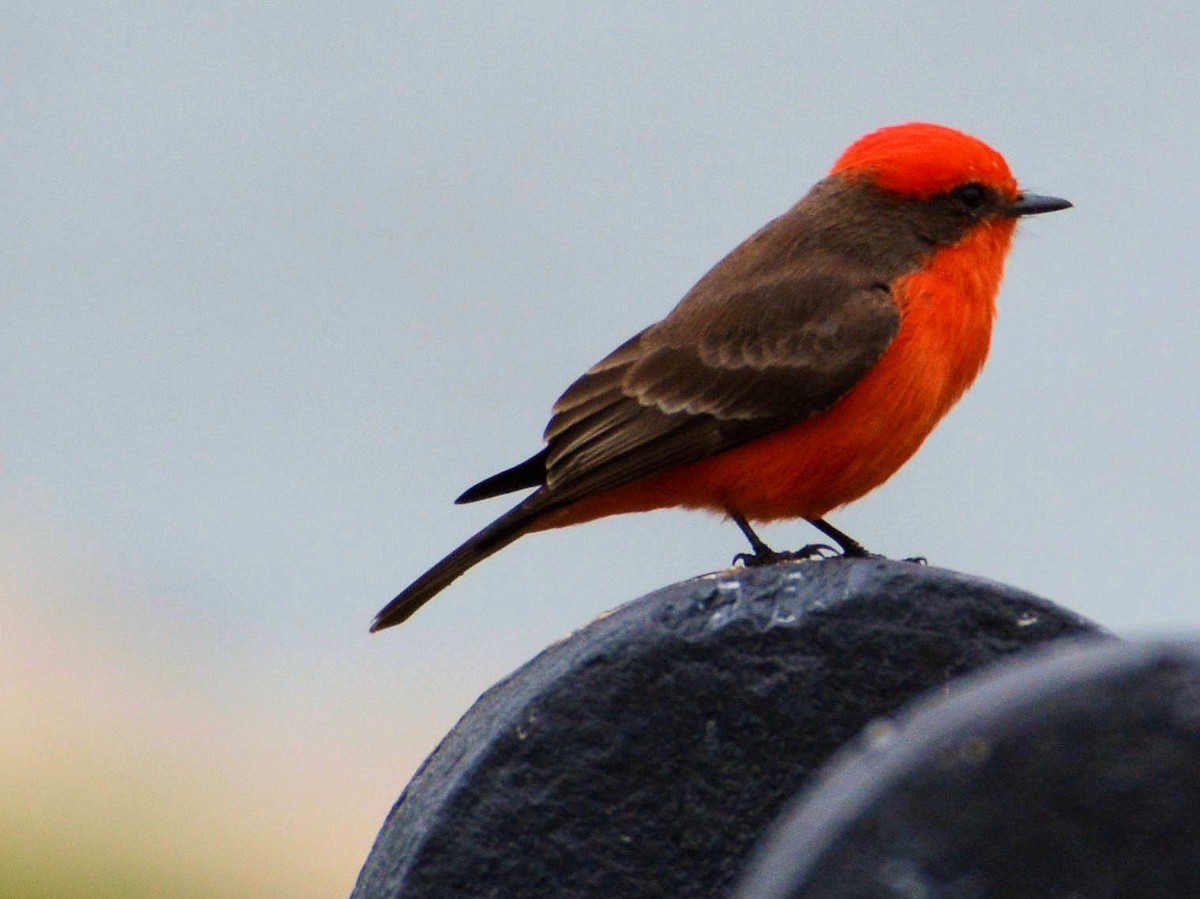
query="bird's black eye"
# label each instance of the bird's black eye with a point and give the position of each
(972, 196)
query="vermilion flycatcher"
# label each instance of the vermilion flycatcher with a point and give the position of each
(801, 372)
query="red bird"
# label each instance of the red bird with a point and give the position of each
(797, 375)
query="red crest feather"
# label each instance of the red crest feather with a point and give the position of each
(921, 160)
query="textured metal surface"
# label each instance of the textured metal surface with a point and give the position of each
(645, 754)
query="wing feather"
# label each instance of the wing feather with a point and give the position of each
(718, 372)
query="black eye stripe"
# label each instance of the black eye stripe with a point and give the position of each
(971, 195)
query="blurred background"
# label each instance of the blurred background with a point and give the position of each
(279, 280)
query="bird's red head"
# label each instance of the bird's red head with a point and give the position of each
(921, 160)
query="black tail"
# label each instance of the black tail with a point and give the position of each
(530, 473)
(497, 535)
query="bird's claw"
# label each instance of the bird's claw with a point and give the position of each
(771, 557)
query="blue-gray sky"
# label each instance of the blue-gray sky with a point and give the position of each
(278, 281)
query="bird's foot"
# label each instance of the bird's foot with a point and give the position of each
(767, 556)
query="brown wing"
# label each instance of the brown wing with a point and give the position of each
(721, 370)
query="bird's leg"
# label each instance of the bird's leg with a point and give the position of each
(850, 547)
(764, 555)
(756, 542)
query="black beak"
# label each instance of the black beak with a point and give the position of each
(1035, 204)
